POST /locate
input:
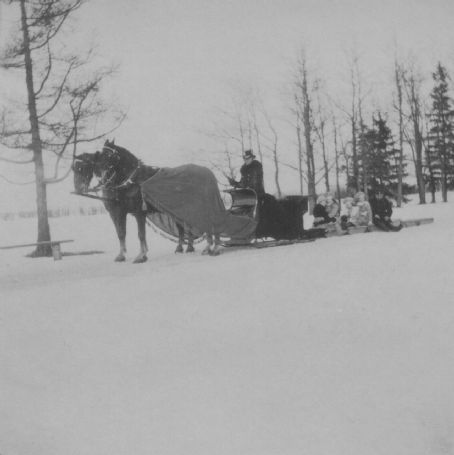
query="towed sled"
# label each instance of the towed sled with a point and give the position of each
(364, 229)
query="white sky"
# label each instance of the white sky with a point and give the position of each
(179, 59)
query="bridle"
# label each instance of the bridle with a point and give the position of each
(108, 175)
(104, 183)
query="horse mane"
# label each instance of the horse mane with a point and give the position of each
(123, 152)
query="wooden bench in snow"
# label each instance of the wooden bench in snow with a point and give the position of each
(55, 245)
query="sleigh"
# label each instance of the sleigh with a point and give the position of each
(279, 221)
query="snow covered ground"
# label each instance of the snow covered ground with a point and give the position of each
(339, 346)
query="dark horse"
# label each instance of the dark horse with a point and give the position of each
(120, 174)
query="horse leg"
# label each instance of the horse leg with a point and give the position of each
(142, 256)
(216, 251)
(207, 249)
(179, 248)
(190, 247)
(119, 220)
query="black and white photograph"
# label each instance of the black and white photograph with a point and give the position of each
(226, 227)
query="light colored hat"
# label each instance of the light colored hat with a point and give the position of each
(359, 194)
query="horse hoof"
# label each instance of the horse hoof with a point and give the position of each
(206, 251)
(190, 249)
(120, 259)
(140, 260)
(179, 249)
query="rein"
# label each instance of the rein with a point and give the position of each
(92, 196)
(127, 181)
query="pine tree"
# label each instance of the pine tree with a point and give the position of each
(441, 132)
(380, 160)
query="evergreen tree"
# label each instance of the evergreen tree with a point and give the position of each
(380, 157)
(441, 133)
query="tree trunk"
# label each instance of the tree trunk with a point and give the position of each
(414, 101)
(442, 157)
(308, 143)
(400, 166)
(325, 168)
(41, 195)
(431, 175)
(300, 157)
(276, 173)
(336, 156)
(418, 163)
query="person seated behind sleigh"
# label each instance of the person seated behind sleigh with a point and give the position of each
(358, 212)
(382, 211)
(325, 212)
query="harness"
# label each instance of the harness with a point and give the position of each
(113, 173)
(127, 181)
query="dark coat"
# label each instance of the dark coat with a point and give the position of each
(381, 208)
(321, 216)
(252, 177)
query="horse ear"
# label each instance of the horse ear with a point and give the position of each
(113, 141)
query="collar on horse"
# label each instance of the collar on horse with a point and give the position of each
(127, 181)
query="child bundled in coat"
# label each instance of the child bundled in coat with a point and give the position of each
(362, 216)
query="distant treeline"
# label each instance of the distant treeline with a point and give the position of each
(53, 213)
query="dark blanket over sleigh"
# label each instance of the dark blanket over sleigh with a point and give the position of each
(190, 195)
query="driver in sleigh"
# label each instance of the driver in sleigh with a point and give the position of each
(251, 175)
(269, 215)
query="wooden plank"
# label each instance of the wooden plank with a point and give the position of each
(23, 245)
(416, 222)
(361, 229)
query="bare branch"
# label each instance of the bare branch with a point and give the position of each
(52, 29)
(48, 72)
(59, 90)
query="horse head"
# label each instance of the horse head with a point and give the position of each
(115, 164)
(84, 167)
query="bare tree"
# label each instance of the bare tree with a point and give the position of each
(336, 156)
(354, 129)
(62, 98)
(412, 89)
(303, 106)
(429, 164)
(274, 151)
(353, 115)
(398, 75)
(320, 123)
(300, 151)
